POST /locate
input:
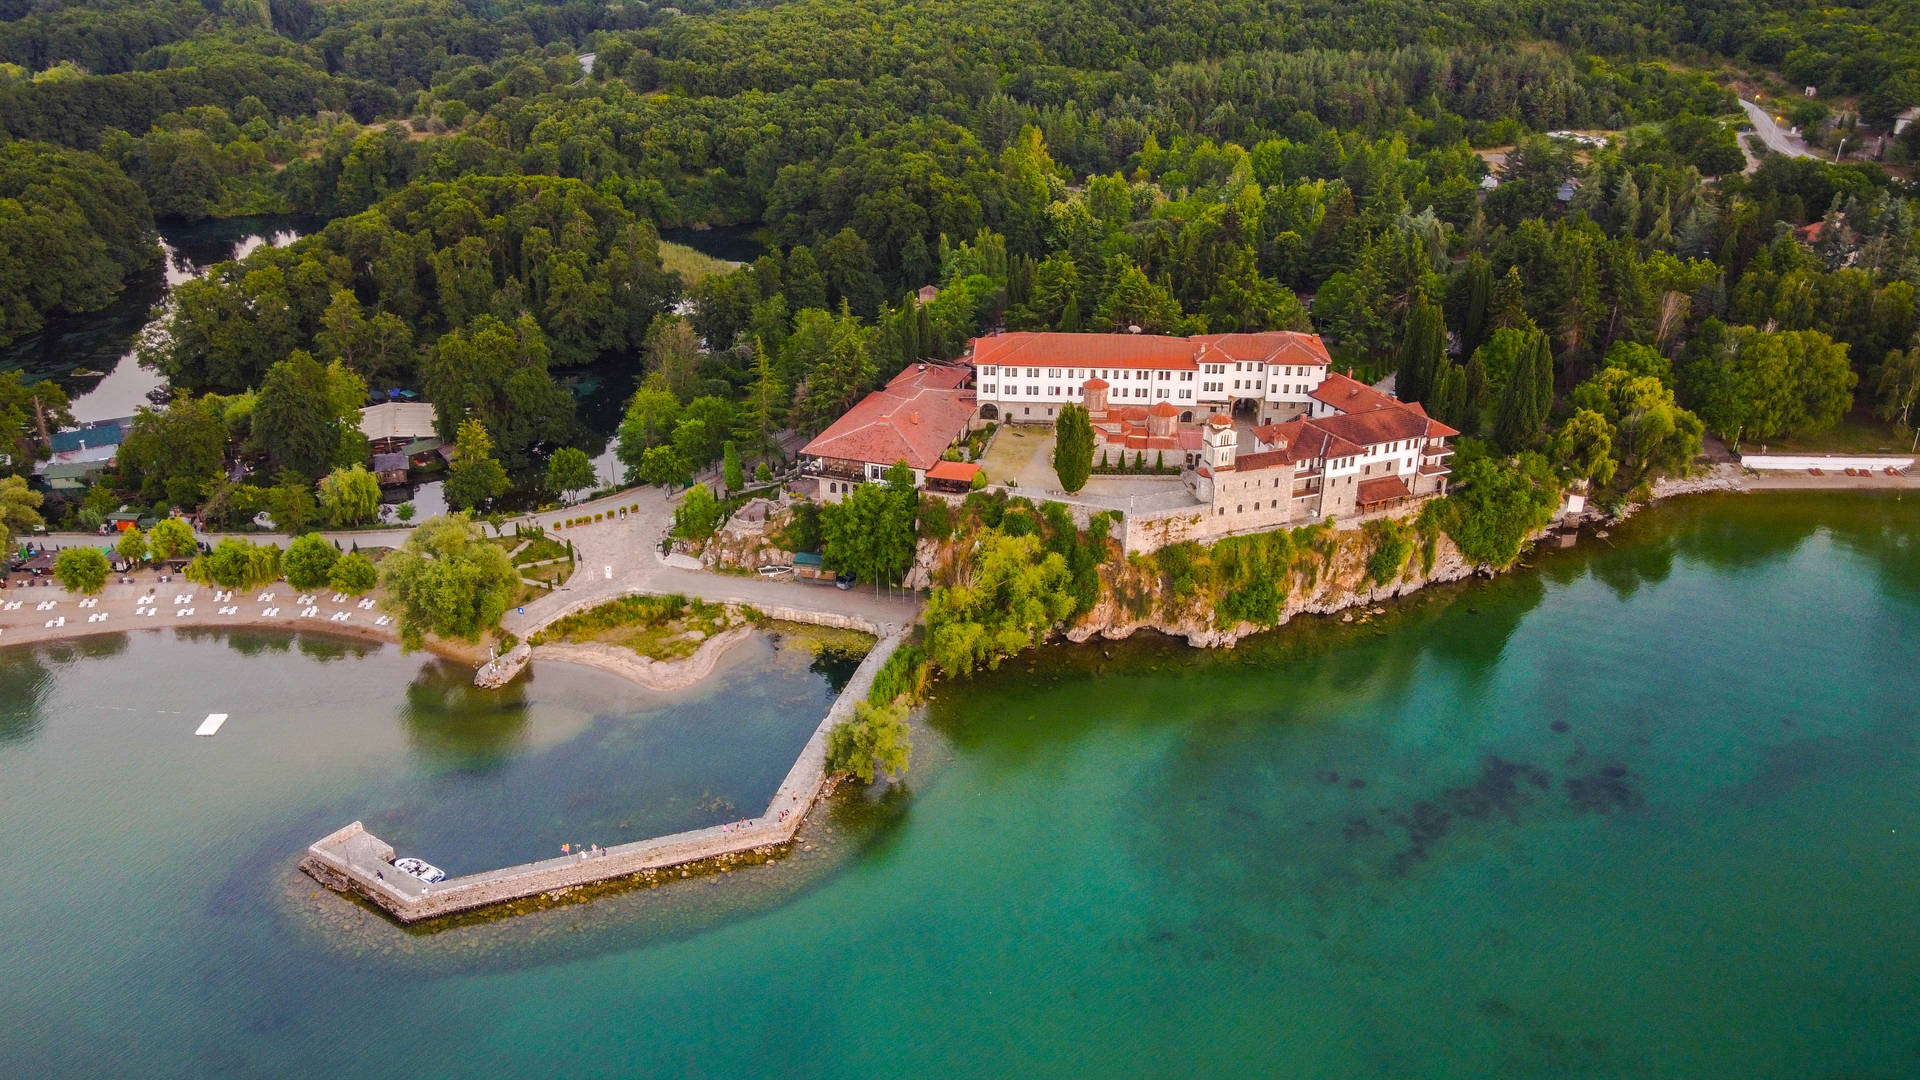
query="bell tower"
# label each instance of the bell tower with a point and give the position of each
(1219, 444)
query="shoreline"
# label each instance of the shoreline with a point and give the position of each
(352, 860)
(27, 624)
(643, 671)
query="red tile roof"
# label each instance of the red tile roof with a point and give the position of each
(1146, 350)
(1350, 396)
(914, 418)
(1379, 490)
(1266, 459)
(1271, 347)
(1342, 436)
(957, 471)
(1383, 425)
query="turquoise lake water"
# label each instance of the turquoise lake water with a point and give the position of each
(1651, 809)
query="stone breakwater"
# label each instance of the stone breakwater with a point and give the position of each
(354, 860)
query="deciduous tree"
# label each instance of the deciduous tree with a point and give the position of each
(448, 581)
(81, 569)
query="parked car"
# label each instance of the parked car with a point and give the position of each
(843, 581)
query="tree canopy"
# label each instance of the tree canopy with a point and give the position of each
(447, 581)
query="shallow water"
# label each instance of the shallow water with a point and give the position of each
(1644, 811)
(104, 341)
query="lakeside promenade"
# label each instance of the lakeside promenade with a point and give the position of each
(617, 556)
(354, 859)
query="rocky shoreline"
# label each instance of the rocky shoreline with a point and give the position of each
(1342, 589)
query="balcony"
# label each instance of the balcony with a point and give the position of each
(1436, 451)
(835, 469)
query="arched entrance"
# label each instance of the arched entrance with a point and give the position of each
(989, 412)
(1187, 417)
(1247, 407)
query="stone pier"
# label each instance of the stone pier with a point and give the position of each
(355, 859)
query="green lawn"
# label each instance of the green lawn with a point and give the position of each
(660, 627)
(1858, 433)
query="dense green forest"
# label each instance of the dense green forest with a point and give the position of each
(1217, 164)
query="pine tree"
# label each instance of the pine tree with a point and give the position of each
(1509, 309)
(766, 404)
(1626, 207)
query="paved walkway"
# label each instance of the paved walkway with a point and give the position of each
(1777, 139)
(622, 555)
(616, 556)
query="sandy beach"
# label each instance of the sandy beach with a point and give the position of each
(650, 673)
(51, 613)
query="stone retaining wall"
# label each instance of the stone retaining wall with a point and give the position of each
(354, 859)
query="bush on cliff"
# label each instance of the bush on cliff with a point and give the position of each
(1392, 542)
(1495, 506)
(1010, 594)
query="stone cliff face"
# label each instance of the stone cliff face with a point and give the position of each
(1332, 590)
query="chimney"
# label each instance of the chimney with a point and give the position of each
(913, 418)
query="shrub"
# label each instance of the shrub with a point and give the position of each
(904, 674)
(697, 515)
(353, 574)
(236, 564)
(979, 481)
(1392, 543)
(309, 560)
(936, 519)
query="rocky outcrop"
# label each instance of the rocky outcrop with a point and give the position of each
(1338, 587)
(500, 670)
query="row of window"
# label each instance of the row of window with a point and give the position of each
(1116, 394)
(1142, 374)
(1013, 390)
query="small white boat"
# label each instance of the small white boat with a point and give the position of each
(425, 871)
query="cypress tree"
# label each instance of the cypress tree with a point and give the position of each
(1528, 396)
(1450, 395)
(1476, 399)
(1543, 381)
(1511, 420)
(1423, 348)
(1073, 447)
(923, 343)
(1479, 299)
(1070, 316)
